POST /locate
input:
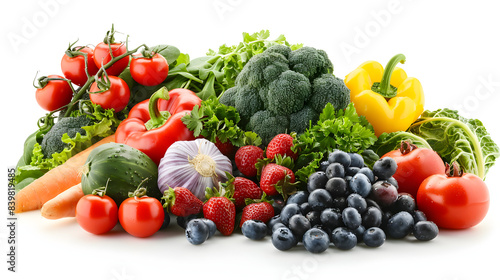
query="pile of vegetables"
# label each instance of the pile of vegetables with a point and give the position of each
(148, 132)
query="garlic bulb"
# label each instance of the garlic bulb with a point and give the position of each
(194, 165)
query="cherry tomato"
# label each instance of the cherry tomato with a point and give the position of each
(102, 56)
(141, 216)
(96, 214)
(115, 97)
(55, 94)
(73, 68)
(414, 166)
(149, 71)
(454, 202)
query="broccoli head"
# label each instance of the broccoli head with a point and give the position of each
(247, 101)
(227, 97)
(301, 120)
(329, 89)
(288, 93)
(281, 49)
(52, 141)
(262, 69)
(267, 125)
(310, 62)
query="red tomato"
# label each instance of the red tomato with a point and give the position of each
(102, 56)
(141, 216)
(116, 96)
(73, 68)
(149, 71)
(456, 202)
(96, 214)
(55, 94)
(414, 166)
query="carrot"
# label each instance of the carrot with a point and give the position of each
(64, 204)
(55, 181)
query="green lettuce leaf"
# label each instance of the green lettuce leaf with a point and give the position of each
(387, 142)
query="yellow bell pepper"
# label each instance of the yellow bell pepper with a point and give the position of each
(388, 99)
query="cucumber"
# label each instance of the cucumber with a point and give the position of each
(125, 167)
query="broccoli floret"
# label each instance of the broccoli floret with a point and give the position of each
(52, 141)
(310, 62)
(247, 101)
(329, 89)
(227, 98)
(282, 49)
(288, 93)
(267, 125)
(262, 69)
(301, 120)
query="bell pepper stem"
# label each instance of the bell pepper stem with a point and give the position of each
(384, 88)
(157, 118)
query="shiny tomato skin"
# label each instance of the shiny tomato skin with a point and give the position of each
(73, 68)
(102, 56)
(149, 71)
(55, 94)
(141, 216)
(96, 214)
(454, 202)
(116, 97)
(414, 167)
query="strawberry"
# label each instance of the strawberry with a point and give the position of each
(220, 210)
(226, 148)
(281, 144)
(181, 202)
(277, 179)
(261, 210)
(244, 189)
(246, 157)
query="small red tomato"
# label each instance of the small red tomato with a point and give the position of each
(414, 166)
(454, 202)
(102, 55)
(141, 216)
(73, 67)
(54, 94)
(149, 71)
(115, 96)
(96, 214)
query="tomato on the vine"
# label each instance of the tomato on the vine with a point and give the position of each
(102, 55)
(54, 93)
(455, 201)
(96, 214)
(110, 92)
(141, 216)
(149, 71)
(414, 166)
(73, 65)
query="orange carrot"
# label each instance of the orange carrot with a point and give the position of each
(55, 181)
(64, 204)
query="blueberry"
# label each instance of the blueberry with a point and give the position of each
(317, 180)
(196, 231)
(400, 225)
(404, 202)
(357, 202)
(299, 224)
(372, 217)
(351, 171)
(283, 239)
(356, 160)
(351, 218)
(305, 208)
(374, 237)
(340, 157)
(277, 226)
(419, 216)
(182, 221)
(288, 211)
(371, 202)
(335, 170)
(323, 165)
(336, 187)
(212, 228)
(316, 240)
(331, 219)
(384, 193)
(360, 184)
(425, 230)
(298, 198)
(274, 220)
(358, 232)
(384, 168)
(314, 217)
(343, 238)
(278, 204)
(393, 181)
(320, 199)
(166, 220)
(369, 173)
(254, 229)
(339, 203)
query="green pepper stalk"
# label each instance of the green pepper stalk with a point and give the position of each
(157, 118)
(385, 88)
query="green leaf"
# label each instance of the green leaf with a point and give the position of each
(387, 142)
(170, 53)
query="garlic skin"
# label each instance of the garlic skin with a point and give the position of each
(194, 165)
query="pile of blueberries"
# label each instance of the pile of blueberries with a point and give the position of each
(347, 203)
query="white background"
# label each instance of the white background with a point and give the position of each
(452, 48)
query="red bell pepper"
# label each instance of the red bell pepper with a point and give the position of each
(154, 124)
